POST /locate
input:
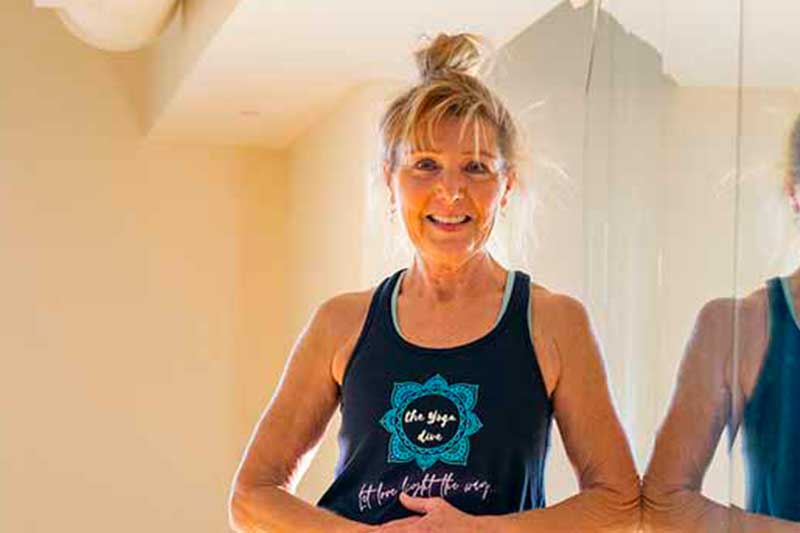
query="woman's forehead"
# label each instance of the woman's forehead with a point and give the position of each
(473, 137)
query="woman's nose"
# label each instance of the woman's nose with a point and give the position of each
(451, 185)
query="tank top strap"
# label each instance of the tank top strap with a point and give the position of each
(522, 291)
(779, 311)
(770, 370)
(789, 299)
(388, 297)
(379, 301)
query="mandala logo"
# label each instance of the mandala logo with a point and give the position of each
(431, 422)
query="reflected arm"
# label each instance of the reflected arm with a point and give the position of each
(701, 406)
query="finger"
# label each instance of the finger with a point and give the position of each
(421, 505)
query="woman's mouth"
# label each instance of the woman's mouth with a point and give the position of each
(449, 223)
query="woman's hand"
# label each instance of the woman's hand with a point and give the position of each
(438, 516)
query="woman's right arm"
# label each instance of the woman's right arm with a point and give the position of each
(261, 498)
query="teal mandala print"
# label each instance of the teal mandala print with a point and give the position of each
(431, 422)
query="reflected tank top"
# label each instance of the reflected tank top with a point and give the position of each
(771, 421)
(469, 423)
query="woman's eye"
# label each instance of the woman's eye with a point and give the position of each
(425, 164)
(473, 167)
(478, 167)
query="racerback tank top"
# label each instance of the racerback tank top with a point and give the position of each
(469, 423)
(771, 421)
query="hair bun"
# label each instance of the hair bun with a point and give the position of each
(459, 53)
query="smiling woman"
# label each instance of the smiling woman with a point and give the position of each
(472, 123)
(449, 372)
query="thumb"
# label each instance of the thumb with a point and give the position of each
(420, 505)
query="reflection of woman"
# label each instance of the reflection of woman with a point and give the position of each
(448, 372)
(760, 392)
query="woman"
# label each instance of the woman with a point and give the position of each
(449, 371)
(740, 368)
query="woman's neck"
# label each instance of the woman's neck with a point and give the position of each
(443, 283)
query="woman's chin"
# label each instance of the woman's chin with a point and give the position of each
(450, 250)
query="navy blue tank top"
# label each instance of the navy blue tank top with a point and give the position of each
(469, 423)
(771, 418)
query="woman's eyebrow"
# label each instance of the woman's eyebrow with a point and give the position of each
(482, 152)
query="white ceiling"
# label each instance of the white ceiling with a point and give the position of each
(275, 66)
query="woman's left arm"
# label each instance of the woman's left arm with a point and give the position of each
(609, 498)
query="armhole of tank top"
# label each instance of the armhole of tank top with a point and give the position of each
(371, 311)
(528, 323)
(531, 346)
(789, 297)
(771, 324)
(529, 313)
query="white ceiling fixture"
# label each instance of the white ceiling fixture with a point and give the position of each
(114, 25)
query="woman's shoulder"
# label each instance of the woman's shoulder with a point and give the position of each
(560, 328)
(722, 316)
(555, 307)
(345, 315)
(729, 325)
(345, 311)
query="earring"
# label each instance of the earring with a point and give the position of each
(392, 211)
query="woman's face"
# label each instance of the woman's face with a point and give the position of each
(447, 196)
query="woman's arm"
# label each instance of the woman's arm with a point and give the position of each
(592, 434)
(701, 407)
(292, 425)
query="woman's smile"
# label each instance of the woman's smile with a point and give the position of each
(448, 223)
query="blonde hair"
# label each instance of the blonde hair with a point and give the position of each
(448, 87)
(792, 175)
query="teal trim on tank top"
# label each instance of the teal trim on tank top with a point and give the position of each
(506, 298)
(787, 292)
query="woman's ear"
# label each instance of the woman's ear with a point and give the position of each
(511, 182)
(792, 190)
(387, 179)
(387, 174)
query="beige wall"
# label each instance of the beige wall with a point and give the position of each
(138, 287)
(328, 228)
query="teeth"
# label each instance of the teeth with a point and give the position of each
(449, 220)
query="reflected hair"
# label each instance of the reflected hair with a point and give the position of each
(793, 154)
